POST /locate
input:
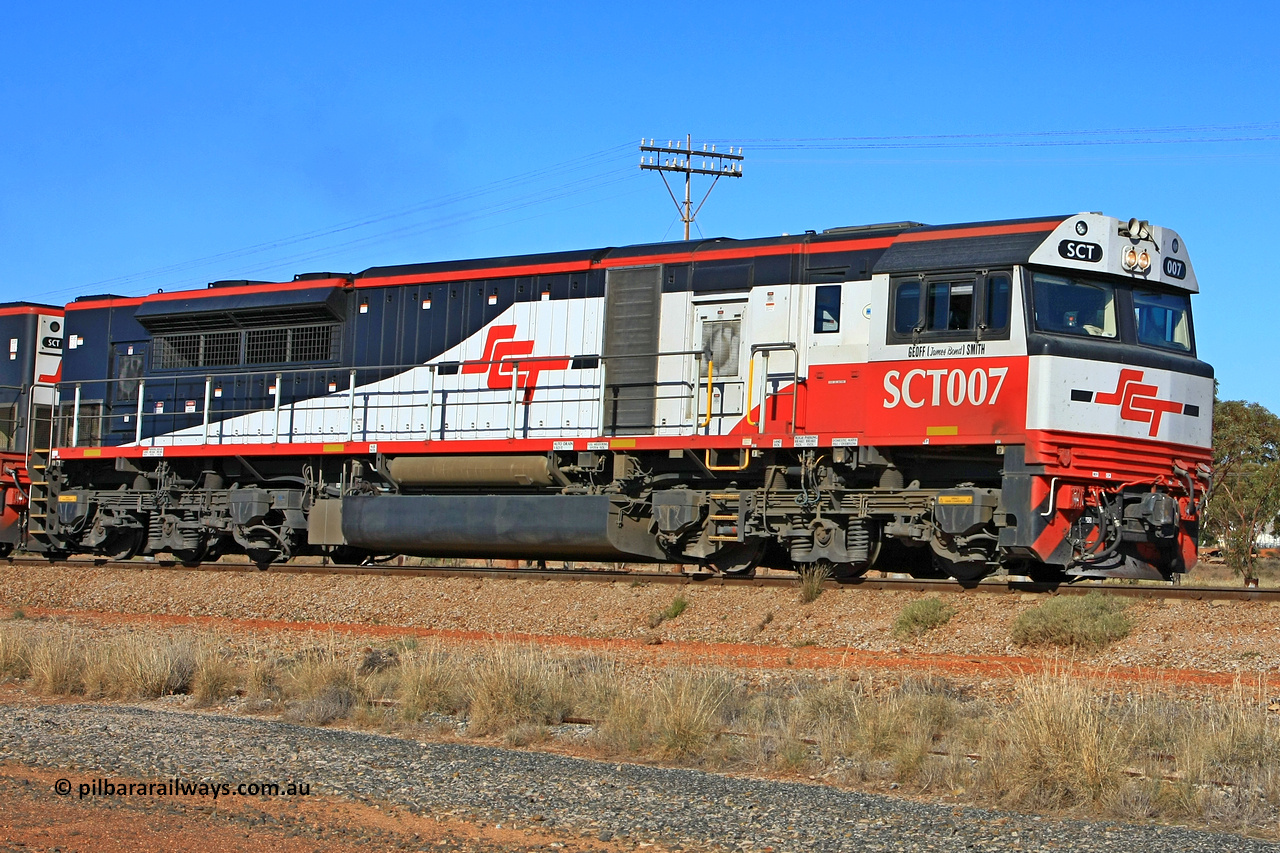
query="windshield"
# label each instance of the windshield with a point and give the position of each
(1071, 307)
(1163, 320)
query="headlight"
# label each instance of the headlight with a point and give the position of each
(1130, 258)
(1144, 261)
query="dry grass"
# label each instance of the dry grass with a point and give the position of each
(15, 654)
(430, 682)
(57, 662)
(1057, 744)
(215, 675)
(685, 710)
(511, 686)
(322, 686)
(1063, 749)
(812, 577)
(1090, 622)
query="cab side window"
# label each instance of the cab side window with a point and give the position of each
(826, 308)
(906, 308)
(999, 303)
(976, 306)
(950, 306)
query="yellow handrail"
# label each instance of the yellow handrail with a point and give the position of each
(710, 365)
(751, 388)
(744, 454)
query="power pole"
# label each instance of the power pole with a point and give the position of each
(718, 164)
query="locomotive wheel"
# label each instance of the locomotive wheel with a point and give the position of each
(341, 555)
(6, 548)
(896, 557)
(262, 558)
(192, 557)
(848, 571)
(126, 545)
(739, 561)
(964, 571)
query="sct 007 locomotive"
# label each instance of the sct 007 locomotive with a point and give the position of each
(1021, 395)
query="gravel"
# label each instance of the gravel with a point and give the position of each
(624, 803)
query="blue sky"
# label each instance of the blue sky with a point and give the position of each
(153, 146)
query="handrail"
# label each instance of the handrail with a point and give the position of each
(743, 454)
(710, 370)
(779, 346)
(208, 425)
(751, 389)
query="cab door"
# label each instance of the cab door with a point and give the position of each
(128, 368)
(718, 331)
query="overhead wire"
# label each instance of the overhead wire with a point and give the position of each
(1254, 132)
(505, 197)
(507, 184)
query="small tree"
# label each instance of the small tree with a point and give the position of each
(1244, 496)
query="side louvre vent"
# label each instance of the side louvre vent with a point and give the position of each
(632, 305)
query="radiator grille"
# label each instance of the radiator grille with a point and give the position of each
(277, 345)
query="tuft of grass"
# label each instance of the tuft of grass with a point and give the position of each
(15, 654)
(812, 577)
(323, 686)
(431, 682)
(511, 686)
(686, 711)
(1064, 748)
(214, 677)
(921, 616)
(17, 614)
(137, 667)
(671, 611)
(57, 663)
(1090, 622)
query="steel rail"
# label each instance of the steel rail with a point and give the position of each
(991, 586)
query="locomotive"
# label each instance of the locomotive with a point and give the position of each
(27, 387)
(1020, 396)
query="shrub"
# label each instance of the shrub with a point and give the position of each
(672, 610)
(1091, 622)
(921, 616)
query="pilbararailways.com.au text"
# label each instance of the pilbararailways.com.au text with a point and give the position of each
(104, 787)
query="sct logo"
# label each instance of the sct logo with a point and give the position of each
(1137, 401)
(979, 386)
(501, 350)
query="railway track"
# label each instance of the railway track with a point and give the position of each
(992, 586)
